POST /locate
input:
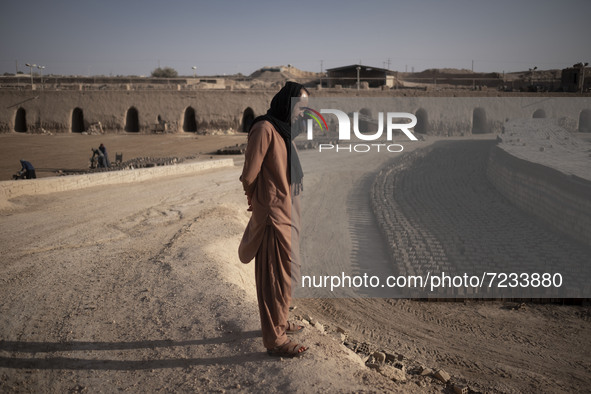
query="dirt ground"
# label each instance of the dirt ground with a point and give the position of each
(138, 288)
(50, 153)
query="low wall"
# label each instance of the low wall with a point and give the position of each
(12, 189)
(563, 201)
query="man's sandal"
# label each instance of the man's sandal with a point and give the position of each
(293, 328)
(289, 349)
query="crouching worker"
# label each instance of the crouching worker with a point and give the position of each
(97, 159)
(28, 170)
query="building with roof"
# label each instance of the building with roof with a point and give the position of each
(576, 78)
(349, 76)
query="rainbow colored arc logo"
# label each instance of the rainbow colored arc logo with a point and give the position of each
(316, 116)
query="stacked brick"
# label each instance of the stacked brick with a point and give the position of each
(439, 213)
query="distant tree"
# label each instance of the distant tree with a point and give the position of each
(166, 72)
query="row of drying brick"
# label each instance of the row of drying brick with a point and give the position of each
(440, 213)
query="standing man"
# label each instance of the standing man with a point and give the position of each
(106, 157)
(272, 181)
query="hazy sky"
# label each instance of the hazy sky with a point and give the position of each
(127, 37)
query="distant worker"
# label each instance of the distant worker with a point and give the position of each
(104, 151)
(97, 157)
(28, 170)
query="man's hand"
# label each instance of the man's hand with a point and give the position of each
(249, 202)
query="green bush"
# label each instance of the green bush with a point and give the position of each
(166, 72)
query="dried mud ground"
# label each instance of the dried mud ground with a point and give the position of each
(50, 153)
(138, 288)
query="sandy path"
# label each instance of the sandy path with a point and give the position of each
(138, 287)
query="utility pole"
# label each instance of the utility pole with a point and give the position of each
(531, 76)
(583, 76)
(41, 73)
(31, 72)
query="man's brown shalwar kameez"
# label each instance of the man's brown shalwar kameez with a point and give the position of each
(268, 235)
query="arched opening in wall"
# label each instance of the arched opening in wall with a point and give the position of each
(247, 118)
(479, 125)
(585, 121)
(365, 112)
(20, 121)
(422, 121)
(189, 121)
(132, 121)
(367, 124)
(539, 113)
(77, 120)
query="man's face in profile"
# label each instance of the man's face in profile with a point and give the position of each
(298, 109)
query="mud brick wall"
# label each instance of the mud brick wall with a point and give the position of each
(139, 111)
(54, 110)
(563, 201)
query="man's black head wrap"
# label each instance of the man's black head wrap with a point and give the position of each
(279, 115)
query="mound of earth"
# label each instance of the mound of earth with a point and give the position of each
(282, 73)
